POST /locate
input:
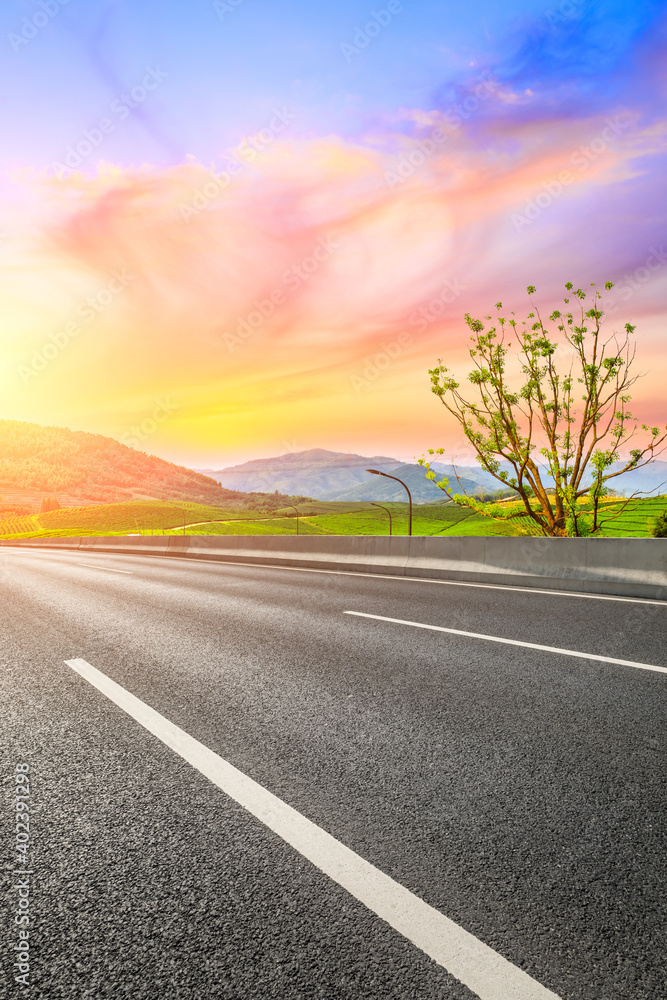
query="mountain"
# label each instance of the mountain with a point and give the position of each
(378, 488)
(333, 475)
(56, 461)
(482, 482)
(312, 473)
(650, 479)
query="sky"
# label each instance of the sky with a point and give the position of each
(232, 229)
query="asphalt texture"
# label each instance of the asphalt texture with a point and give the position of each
(521, 793)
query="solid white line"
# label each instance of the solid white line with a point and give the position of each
(514, 642)
(421, 579)
(473, 963)
(430, 579)
(189, 560)
(106, 569)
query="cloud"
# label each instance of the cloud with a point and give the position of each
(259, 289)
(576, 59)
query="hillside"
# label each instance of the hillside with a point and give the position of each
(92, 467)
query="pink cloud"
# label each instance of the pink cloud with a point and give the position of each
(273, 286)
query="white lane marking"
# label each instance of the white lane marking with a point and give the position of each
(189, 561)
(425, 579)
(106, 569)
(472, 962)
(513, 642)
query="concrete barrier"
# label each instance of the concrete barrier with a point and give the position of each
(630, 567)
(150, 545)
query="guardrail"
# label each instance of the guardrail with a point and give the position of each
(630, 567)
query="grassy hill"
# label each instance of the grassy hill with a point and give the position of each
(316, 518)
(56, 461)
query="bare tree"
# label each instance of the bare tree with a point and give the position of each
(577, 419)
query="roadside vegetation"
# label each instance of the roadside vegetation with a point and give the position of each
(545, 407)
(658, 525)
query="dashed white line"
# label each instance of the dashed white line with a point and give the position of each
(473, 963)
(514, 642)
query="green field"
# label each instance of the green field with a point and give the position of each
(150, 517)
(131, 517)
(633, 521)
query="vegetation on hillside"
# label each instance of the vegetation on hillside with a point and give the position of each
(55, 460)
(13, 510)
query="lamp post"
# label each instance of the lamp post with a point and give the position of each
(183, 514)
(376, 472)
(297, 515)
(387, 510)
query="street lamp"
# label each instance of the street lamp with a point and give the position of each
(376, 472)
(387, 510)
(184, 515)
(297, 515)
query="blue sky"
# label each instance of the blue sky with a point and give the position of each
(226, 69)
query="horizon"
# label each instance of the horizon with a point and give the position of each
(469, 460)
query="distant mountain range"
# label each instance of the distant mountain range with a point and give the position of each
(334, 475)
(310, 473)
(652, 478)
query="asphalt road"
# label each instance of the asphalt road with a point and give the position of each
(517, 791)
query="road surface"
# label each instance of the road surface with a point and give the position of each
(501, 804)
